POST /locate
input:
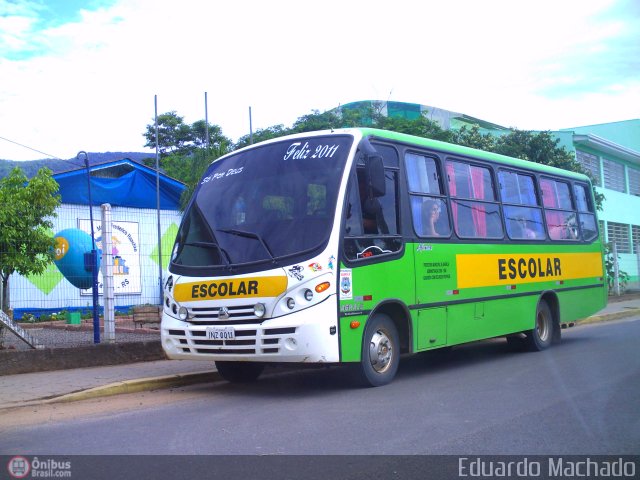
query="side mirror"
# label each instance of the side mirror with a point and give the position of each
(374, 169)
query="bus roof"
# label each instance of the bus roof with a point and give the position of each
(472, 152)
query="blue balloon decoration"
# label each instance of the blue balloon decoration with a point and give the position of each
(71, 246)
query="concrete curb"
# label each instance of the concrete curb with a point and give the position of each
(607, 317)
(119, 388)
(27, 361)
(139, 385)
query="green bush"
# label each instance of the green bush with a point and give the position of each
(623, 277)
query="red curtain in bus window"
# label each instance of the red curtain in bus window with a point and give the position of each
(479, 212)
(451, 175)
(554, 219)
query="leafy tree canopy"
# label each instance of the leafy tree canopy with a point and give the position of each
(539, 147)
(176, 137)
(26, 212)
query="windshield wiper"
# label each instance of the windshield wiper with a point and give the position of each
(242, 233)
(211, 245)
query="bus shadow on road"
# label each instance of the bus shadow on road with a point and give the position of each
(287, 380)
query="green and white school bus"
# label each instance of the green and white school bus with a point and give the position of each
(355, 246)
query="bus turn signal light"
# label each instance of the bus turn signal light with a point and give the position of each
(355, 324)
(321, 287)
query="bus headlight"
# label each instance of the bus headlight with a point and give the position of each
(291, 303)
(308, 295)
(259, 310)
(183, 313)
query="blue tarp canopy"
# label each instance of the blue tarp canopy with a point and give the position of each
(122, 183)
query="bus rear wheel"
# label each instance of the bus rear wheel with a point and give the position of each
(240, 372)
(541, 336)
(380, 352)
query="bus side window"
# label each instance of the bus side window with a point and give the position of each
(560, 216)
(371, 224)
(587, 219)
(428, 208)
(522, 212)
(478, 215)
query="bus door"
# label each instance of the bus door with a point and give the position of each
(433, 257)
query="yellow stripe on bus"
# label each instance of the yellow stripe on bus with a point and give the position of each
(232, 288)
(478, 270)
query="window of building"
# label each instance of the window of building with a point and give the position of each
(635, 238)
(634, 181)
(591, 164)
(618, 233)
(614, 176)
(478, 215)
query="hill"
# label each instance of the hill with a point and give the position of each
(31, 167)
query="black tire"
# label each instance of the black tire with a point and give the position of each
(540, 337)
(240, 372)
(380, 352)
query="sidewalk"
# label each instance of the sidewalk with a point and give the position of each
(82, 383)
(91, 382)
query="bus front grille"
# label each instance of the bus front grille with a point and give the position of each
(237, 315)
(247, 342)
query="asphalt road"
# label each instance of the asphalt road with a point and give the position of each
(577, 398)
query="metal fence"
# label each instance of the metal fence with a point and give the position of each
(58, 314)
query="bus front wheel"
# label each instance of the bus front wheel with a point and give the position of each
(540, 337)
(240, 372)
(380, 352)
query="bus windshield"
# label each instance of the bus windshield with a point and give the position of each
(263, 204)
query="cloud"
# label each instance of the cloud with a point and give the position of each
(86, 79)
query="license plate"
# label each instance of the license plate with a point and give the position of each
(221, 333)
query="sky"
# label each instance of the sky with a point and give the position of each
(82, 75)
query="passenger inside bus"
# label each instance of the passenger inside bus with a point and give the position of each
(430, 214)
(526, 232)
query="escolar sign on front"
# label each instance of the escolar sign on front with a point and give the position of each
(236, 288)
(496, 269)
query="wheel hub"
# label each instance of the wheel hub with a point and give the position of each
(380, 351)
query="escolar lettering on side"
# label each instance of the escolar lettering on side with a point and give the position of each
(483, 270)
(528, 268)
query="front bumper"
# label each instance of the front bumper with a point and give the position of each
(309, 336)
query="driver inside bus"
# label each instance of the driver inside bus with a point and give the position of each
(372, 214)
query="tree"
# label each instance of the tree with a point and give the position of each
(316, 121)
(26, 210)
(217, 140)
(474, 138)
(421, 127)
(173, 134)
(263, 134)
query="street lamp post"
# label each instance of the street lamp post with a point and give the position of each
(94, 254)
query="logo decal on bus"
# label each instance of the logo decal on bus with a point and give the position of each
(346, 292)
(296, 272)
